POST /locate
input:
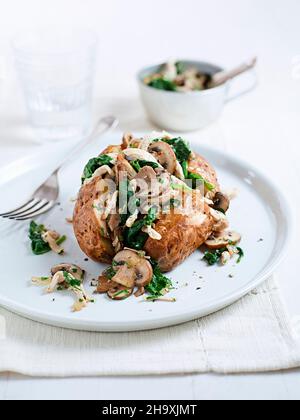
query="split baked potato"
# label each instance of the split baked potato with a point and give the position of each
(188, 207)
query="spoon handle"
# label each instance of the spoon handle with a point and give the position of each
(222, 77)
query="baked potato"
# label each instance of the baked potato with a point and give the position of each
(103, 229)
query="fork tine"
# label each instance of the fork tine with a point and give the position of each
(38, 206)
(18, 209)
(33, 204)
(44, 209)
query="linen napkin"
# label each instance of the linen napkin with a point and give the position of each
(253, 335)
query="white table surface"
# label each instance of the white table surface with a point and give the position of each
(262, 128)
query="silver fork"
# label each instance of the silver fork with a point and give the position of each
(44, 198)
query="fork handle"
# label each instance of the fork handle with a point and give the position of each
(103, 125)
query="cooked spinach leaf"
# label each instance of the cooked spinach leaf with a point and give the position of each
(159, 282)
(213, 258)
(185, 168)
(93, 164)
(197, 177)
(125, 195)
(134, 237)
(38, 245)
(139, 164)
(180, 147)
(241, 254)
(110, 273)
(163, 84)
(71, 281)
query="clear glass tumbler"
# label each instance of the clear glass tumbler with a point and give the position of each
(56, 67)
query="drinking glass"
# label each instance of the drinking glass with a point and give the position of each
(56, 67)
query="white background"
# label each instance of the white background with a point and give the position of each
(263, 128)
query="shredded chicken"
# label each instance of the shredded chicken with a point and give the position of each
(111, 205)
(132, 219)
(50, 237)
(41, 281)
(225, 257)
(138, 154)
(152, 233)
(220, 219)
(117, 244)
(100, 172)
(68, 281)
(57, 279)
(179, 171)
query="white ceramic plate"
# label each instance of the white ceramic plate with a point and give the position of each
(259, 212)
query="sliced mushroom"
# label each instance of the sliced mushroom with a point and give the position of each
(223, 240)
(135, 265)
(147, 174)
(104, 285)
(165, 155)
(72, 269)
(221, 202)
(125, 276)
(123, 166)
(147, 183)
(127, 256)
(144, 273)
(140, 292)
(119, 293)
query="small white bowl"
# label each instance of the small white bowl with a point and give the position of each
(181, 111)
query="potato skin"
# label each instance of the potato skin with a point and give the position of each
(199, 165)
(86, 226)
(181, 237)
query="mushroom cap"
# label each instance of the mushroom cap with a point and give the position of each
(125, 276)
(104, 284)
(221, 202)
(165, 155)
(119, 293)
(134, 269)
(223, 239)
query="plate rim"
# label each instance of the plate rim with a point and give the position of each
(212, 306)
